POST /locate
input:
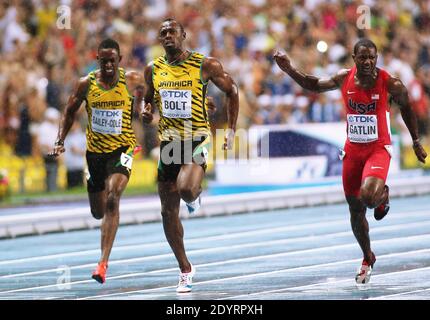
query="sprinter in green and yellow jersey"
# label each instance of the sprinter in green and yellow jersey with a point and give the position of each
(110, 95)
(176, 84)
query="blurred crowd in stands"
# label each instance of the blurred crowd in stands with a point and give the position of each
(40, 62)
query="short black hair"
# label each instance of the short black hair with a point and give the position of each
(109, 44)
(364, 43)
(174, 20)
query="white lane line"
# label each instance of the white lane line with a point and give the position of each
(261, 274)
(232, 235)
(399, 294)
(266, 230)
(247, 259)
(267, 243)
(331, 283)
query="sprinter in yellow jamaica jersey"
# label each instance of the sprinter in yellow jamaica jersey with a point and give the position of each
(110, 95)
(176, 84)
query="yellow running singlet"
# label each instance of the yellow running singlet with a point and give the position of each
(109, 116)
(180, 95)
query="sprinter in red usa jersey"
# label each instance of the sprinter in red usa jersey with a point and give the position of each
(367, 152)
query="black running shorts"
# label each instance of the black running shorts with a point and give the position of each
(102, 165)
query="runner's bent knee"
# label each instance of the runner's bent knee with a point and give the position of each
(188, 193)
(112, 200)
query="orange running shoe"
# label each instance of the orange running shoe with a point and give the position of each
(100, 273)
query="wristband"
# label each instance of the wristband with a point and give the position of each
(59, 142)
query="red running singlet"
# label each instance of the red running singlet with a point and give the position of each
(368, 144)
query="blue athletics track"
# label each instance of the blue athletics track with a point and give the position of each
(295, 254)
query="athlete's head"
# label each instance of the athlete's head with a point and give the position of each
(109, 56)
(365, 56)
(171, 34)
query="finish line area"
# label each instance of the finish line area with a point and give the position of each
(306, 253)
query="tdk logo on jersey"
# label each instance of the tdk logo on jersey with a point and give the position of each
(361, 119)
(107, 113)
(361, 107)
(175, 94)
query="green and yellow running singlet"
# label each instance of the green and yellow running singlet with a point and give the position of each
(109, 116)
(180, 94)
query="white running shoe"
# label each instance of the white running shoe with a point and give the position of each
(186, 281)
(364, 272)
(194, 206)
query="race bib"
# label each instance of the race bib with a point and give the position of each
(106, 121)
(362, 128)
(176, 103)
(126, 160)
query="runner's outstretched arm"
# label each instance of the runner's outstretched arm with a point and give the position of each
(306, 81)
(212, 70)
(69, 114)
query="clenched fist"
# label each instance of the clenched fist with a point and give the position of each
(282, 60)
